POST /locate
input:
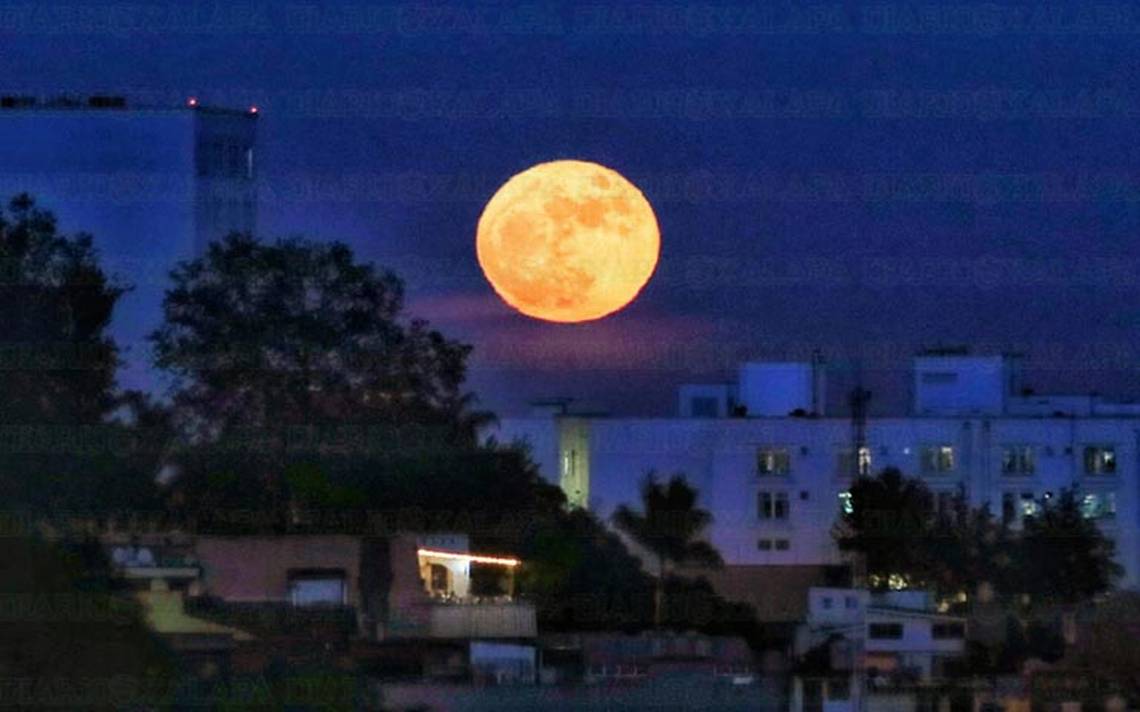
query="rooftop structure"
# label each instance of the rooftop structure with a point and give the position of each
(776, 480)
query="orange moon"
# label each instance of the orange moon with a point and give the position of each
(568, 241)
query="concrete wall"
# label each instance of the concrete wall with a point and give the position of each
(256, 569)
(960, 384)
(777, 389)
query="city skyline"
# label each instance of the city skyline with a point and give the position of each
(853, 180)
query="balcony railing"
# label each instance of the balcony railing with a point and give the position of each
(482, 620)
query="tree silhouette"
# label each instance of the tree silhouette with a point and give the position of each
(297, 333)
(55, 305)
(296, 352)
(1063, 557)
(889, 525)
(668, 528)
(63, 453)
(1058, 557)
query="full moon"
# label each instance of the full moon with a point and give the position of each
(568, 241)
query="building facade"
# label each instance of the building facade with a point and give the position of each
(152, 184)
(776, 484)
(873, 643)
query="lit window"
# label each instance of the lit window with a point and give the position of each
(569, 461)
(1099, 506)
(1018, 460)
(937, 459)
(1029, 505)
(773, 461)
(850, 464)
(846, 503)
(1100, 460)
(773, 505)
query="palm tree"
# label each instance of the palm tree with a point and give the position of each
(669, 528)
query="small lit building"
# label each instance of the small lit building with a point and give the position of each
(858, 644)
(420, 602)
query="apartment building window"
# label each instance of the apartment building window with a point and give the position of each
(1018, 460)
(234, 160)
(773, 461)
(846, 503)
(948, 631)
(773, 505)
(1099, 505)
(850, 463)
(1029, 505)
(851, 603)
(439, 579)
(769, 544)
(317, 588)
(1100, 460)
(885, 631)
(937, 459)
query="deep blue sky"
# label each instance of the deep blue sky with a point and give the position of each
(867, 181)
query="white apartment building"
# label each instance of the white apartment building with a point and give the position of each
(774, 469)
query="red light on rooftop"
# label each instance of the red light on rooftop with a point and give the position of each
(253, 109)
(192, 102)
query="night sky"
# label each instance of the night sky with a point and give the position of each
(862, 179)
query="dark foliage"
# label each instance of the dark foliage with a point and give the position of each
(668, 528)
(298, 333)
(1063, 557)
(890, 526)
(75, 638)
(55, 305)
(1058, 557)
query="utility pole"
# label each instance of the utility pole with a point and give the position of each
(859, 398)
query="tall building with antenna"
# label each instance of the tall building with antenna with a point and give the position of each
(152, 184)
